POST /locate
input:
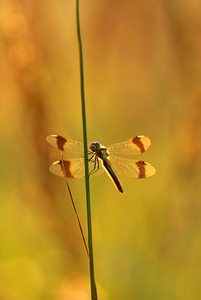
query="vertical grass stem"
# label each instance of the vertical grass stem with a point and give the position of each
(87, 185)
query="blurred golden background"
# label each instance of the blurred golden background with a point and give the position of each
(142, 75)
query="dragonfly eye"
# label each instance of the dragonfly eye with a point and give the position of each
(94, 146)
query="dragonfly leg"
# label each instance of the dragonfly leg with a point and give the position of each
(95, 166)
(93, 157)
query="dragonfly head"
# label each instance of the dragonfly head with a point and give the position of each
(95, 146)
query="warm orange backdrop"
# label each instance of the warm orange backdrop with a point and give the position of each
(142, 76)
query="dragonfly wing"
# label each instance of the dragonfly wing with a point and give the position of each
(132, 146)
(74, 168)
(132, 168)
(63, 144)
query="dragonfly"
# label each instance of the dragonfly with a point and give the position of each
(114, 159)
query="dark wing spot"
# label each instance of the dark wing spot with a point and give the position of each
(61, 141)
(66, 165)
(142, 169)
(137, 141)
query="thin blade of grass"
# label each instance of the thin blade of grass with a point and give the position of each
(74, 207)
(87, 184)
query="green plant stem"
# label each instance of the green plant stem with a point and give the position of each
(87, 185)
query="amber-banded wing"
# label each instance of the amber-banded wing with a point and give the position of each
(74, 168)
(61, 143)
(131, 168)
(132, 146)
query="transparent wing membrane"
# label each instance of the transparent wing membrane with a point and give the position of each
(74, 168)
(132, 146)
(131, 168)
(73, 148)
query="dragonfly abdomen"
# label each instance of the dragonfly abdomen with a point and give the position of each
(112, 175)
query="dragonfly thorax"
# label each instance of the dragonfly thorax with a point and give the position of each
(99, 150)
